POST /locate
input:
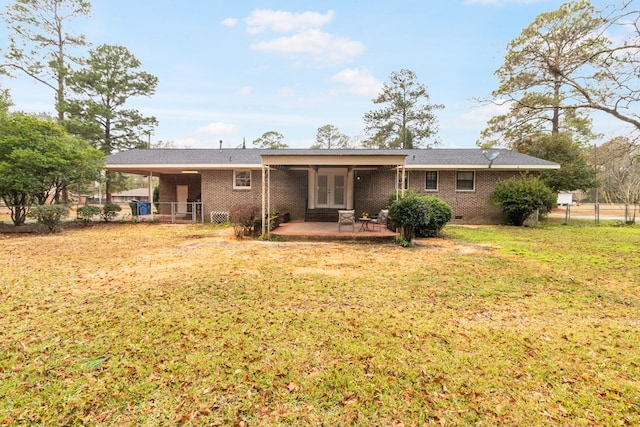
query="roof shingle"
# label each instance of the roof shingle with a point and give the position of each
(415, 158)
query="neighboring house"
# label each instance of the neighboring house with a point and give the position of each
(313, 184)
(141, 194)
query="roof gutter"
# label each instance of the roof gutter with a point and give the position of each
(493, 166)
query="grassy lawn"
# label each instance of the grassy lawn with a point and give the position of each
(140, 324)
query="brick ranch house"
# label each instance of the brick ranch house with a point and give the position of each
(312, 185)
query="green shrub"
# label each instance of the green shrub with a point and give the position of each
(439, 215)
(49, 217)
(439, 212)
(409, 213)
(398, 194)
(110, 211)
(86, 213)
(519, 197)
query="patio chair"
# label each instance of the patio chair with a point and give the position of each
(381, 219)
(347, 218)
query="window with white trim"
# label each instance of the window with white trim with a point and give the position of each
(242, 179)
(431, 181)
(465, 181)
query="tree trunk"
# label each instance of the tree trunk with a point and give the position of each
(407, 232)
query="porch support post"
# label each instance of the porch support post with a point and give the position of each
(350, 187)
(403, 178)
(311, 188)
(268, 203)
(151, 193)
(264, 204)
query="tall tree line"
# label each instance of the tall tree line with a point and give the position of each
(562, 68)
(91, 89)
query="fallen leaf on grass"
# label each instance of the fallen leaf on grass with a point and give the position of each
(349, 399)
(93, 363)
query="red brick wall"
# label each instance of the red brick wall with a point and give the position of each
(288, 191)
(373, 189)
(371, 192)
(469, 207)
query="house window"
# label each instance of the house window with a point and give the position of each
(242, 179)
(465, 181)
(431, 182)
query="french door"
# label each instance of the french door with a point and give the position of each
(331, 190)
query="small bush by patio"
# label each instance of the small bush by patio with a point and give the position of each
(409, 213)
(439, 215)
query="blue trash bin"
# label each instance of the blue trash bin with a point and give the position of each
(144, 208)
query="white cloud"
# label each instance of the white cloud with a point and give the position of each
(208, 136)
(216, 129)
(229, 22)
(285, 22)
(482, 113)
(287, 92)
(244, 91)
(323, 48)
(359, 82)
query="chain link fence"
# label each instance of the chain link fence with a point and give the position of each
(597, 212)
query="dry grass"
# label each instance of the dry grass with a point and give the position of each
(142, 324)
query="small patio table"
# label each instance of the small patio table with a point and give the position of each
(364, 224)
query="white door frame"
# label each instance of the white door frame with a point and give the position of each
(331, 174)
